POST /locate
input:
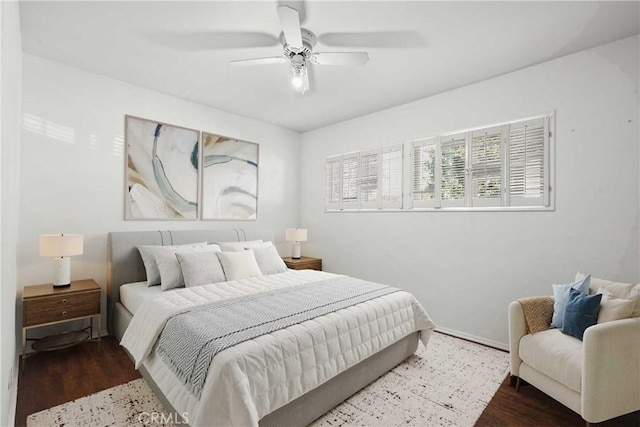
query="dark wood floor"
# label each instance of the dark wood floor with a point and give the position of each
(56, 377)
(52, 378)
(531, 407)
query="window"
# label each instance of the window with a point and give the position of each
(350, 168)
(423, 173)
(528, 172)
(369, 171)
(500, 166)
(391, 177)
(486, 167)
(333, 187)
(365, 180)
(452, 170)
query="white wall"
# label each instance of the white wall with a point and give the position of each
(10, 93)
(73, 166)
(465, 267)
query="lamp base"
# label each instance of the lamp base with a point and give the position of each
(67, 285)
(62, 272)
(296, 250)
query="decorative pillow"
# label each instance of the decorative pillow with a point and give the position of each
(561, 296)
(170, 272)
(200, 268)
(581, 312)
(239, 265)
(538, 312)
(629, 291)
(269, 260)
(147, 252)
(238, 246)
(635, 295)
(614, 308)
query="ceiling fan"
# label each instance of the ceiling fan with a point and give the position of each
(298, 44)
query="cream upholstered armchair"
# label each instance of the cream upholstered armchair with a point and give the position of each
(598, 377)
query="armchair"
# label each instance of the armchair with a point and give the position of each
(599, 377)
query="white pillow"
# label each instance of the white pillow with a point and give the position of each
(200, 268)
(269, 260)
(170, 272)
(147, 252)
(241, 246)
(254, 245)
(627, 291)
(239, 265)
(614, 308)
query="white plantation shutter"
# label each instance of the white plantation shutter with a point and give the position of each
(369, 179)
(528, 170)
(503, 166)
(423, 173)
(350, 169)
(391, 177)
(453, 170)
(486, 167)
(333, 183)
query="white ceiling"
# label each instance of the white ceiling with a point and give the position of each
(184, 48)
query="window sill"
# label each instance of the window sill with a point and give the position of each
(461, 209)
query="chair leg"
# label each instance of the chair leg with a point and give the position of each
(512, 380)
(518, 385)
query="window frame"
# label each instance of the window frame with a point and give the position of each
(506, 202)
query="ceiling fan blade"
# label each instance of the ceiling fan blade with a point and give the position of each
(339, 58)
(261, 61)
(298, 5)
(290, 21)
(380, 39)
(209, 40)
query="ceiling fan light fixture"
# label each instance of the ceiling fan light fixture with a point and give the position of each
(297, 44)
(299, 73)
(298, 78)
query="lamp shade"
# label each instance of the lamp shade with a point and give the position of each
(60, 245)
(296, 235)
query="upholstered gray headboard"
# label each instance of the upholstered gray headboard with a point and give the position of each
(125, 264)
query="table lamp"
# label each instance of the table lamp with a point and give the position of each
(61, 247)
(296, 235)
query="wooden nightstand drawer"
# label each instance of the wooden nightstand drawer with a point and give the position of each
(304, 263)
(61, 307)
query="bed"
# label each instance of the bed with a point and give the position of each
(299, 404)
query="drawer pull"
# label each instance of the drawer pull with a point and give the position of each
(64, 301)
(64, 313)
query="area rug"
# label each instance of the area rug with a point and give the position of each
(448, 384)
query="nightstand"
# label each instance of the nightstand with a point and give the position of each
(47, 305)
(304, 263)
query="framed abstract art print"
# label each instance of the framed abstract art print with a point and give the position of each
(161, 170)
(229, 178)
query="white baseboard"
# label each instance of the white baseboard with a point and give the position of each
(469, 337)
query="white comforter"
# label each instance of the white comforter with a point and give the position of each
(254, 378)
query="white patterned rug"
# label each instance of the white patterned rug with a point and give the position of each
(449, 384)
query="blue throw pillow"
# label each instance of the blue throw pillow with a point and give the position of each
(582, 312)
(561, 297)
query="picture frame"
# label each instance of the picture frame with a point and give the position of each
(229, 178)
(162, 170)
